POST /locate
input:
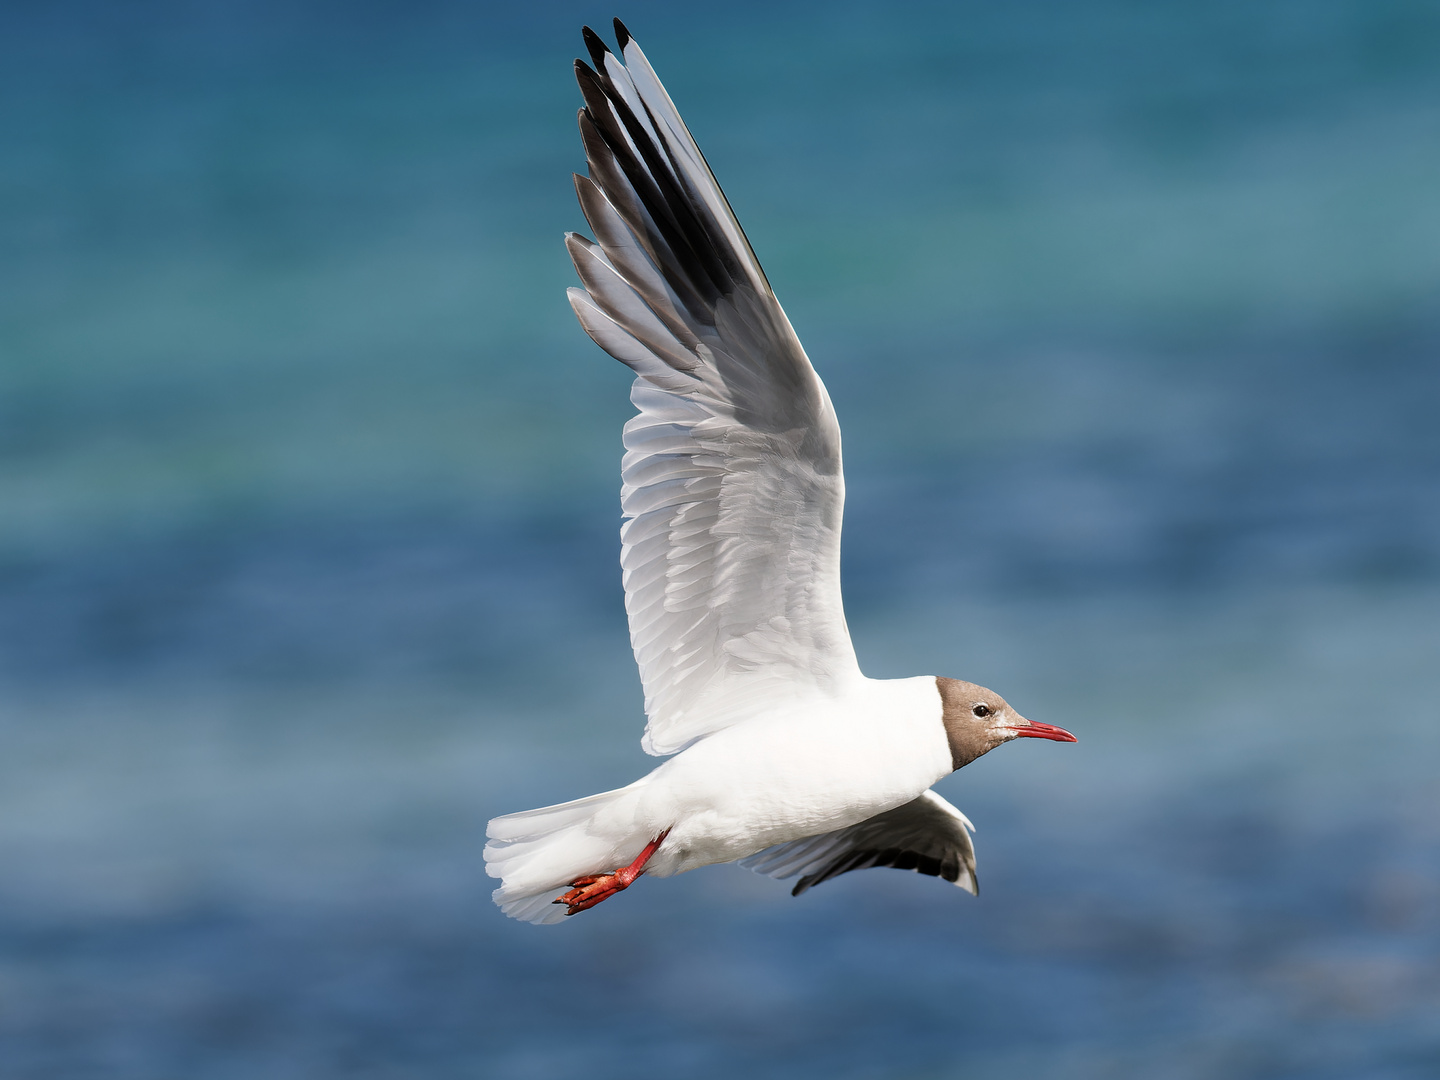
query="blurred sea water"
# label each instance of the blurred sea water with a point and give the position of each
(308, 537)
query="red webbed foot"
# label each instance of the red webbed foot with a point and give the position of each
(586, 892)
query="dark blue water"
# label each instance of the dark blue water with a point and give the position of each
(308, 537)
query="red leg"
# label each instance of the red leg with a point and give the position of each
(588, 891)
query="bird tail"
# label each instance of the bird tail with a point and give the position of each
(537, 853)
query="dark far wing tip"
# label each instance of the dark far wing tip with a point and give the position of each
(585, 71)
(622, 35)
(595, 46)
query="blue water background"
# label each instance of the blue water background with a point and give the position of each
(308, 536)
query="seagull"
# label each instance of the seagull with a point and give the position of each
(779, 753)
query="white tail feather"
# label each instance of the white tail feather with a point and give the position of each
(537, 853)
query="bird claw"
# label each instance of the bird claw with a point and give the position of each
(588, 891)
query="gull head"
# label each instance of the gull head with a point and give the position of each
(977, 720)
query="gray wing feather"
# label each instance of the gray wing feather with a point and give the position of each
(733, 490)
(927, 835)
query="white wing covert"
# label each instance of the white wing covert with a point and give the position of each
(926, 835)
(732, 486)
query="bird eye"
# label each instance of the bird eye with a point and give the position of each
(981, 710)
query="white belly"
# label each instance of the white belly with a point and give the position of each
(798, 773)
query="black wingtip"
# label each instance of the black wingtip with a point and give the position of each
(596, 46)
(622, 36)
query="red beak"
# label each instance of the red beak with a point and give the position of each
(1043, 731)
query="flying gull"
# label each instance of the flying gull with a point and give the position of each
(780, 753)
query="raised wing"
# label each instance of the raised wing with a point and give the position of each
(927, 835)
(732, 486)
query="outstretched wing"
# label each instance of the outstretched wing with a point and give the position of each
(927, 835)
(732, 486)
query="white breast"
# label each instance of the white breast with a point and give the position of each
(815, 767)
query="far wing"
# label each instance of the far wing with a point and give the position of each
(927, 835)
(732, 484)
